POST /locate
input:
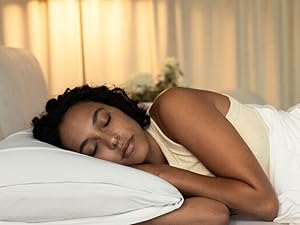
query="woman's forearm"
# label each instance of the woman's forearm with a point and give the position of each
(194, 211)
(237, 195)
(240, 197)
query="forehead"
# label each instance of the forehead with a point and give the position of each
(78, 114)
(86, 106)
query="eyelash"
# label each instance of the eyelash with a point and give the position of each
(108, 121)
(96, 148)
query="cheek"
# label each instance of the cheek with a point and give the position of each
(141, 149)
(109, 155)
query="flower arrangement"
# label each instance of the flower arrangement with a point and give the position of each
(144, 89)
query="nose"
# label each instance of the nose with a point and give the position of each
(115, 140)
(111, 140)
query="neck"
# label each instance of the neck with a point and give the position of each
(155, 155)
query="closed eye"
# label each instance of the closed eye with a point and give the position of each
(108, 121)
(95, 148)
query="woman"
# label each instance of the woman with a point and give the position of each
(214, 149)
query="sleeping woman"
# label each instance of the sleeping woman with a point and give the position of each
(222, 155)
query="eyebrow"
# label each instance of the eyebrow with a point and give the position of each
(95, 116)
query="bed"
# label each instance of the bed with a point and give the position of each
(36, 186)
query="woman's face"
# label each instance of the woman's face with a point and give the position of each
(104, 132)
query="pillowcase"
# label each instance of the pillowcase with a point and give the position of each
(44, 184)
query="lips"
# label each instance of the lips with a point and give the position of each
(128, 148)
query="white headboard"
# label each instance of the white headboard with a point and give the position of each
(23, 92)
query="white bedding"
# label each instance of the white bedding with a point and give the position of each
(284, 139)
(38, 165)
(238, 220)
(45, 185)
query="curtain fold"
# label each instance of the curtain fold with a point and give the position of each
(221, 44)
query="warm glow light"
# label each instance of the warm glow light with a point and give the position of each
(103, 29)
(13, 25)
(37, 26)
(110, 31)
(64, 44)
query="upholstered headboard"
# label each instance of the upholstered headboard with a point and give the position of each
(23, 91)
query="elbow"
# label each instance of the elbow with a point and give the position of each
(222, 219)
(269, 208)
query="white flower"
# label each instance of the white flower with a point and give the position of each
(170, 68)
(138, 83)
(142, 87)
(170, 65)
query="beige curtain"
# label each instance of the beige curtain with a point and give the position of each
(221, 44)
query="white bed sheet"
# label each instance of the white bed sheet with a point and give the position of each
(237, 220)
(232, 222)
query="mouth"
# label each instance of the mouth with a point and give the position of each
(128, 148)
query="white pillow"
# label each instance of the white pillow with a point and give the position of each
(44, 184)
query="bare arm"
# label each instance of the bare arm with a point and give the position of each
(194, 211)
(240, 182)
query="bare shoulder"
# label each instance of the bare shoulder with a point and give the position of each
(178, 103)
(177, 98)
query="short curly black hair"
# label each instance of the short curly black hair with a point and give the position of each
(46, 126)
